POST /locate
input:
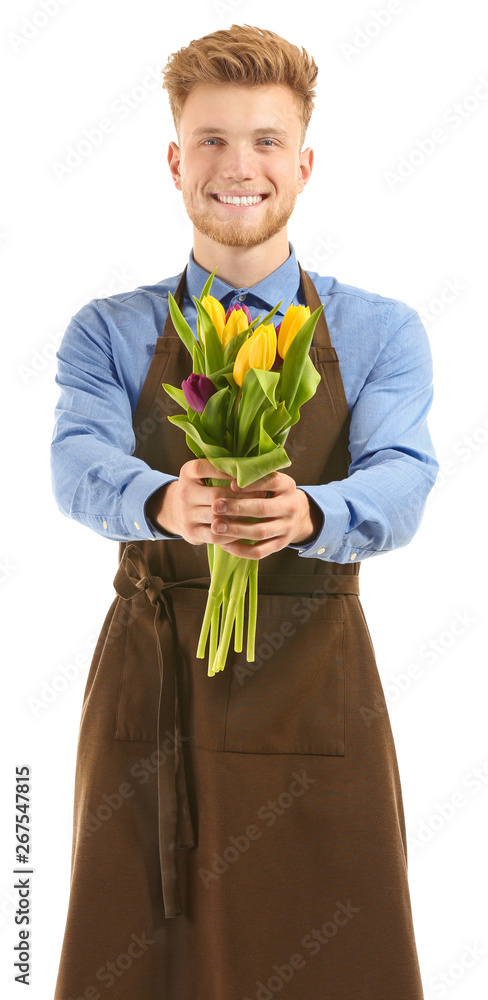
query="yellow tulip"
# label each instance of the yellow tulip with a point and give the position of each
(236, 323)
(258, 351)
(216, 312)
(291, 323)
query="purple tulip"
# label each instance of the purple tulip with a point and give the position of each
(197, 390)
(239, 305)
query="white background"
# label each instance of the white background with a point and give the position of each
(116, 218)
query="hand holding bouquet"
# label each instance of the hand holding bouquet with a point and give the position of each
(248, 383)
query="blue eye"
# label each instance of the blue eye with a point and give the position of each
(270, 141)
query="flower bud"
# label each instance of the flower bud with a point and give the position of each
(197, 390)
(258, 351)
(216, 311)
(292, 322)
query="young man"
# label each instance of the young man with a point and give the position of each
(241, 835)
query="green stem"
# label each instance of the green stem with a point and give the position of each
(207, 621)
(223, 565)
(235, 422)
(226, 595)
(253, 606)
(214, 634)
(240, 616)
(238, 581)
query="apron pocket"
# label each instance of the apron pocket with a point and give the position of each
(202, 700)
(291, 699)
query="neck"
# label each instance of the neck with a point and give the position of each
(241, 267)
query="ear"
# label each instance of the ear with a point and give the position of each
(174, 158)
(305, 167)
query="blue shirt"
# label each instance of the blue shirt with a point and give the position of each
(386, 366)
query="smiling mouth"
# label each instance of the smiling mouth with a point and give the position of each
(240, 201)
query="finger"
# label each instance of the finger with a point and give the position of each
(255, 531)
(203, 469)
(251, 506)
(269, 482)
(209, 495)
(257, 551)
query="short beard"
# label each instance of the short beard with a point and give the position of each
(234, 233)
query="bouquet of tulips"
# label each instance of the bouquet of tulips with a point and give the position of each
(248, 383)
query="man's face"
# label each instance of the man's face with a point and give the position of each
(240, 140)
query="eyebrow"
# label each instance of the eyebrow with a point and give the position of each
(271, 130)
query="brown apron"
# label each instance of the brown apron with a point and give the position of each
(239, 835)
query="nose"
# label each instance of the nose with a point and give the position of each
(239, 163)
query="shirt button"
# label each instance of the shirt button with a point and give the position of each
(241, 298)
(137, 525)
(353, 555)
(300, 550)
(319, 551)
(105, 525)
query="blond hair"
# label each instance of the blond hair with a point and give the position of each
(245, 55)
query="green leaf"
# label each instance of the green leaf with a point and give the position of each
(214, 356)
(181, 326)
(254, 322)
(253, 398)
(198, 359)
(176, 394)
(196, 432)
(266, 443)
(207, 286)
(305, 390)
(230, 416)
(194, 447)
(249, 469)
(295, 358)
(231, 349)
(222, 373)
(212, 418)
(269, 316)
(274, 420)
(268, 382)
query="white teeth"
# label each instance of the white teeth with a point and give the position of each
(248, 200)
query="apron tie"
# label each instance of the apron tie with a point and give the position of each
(174, 816)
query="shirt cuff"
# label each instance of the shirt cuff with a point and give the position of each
(134, 499)
(330, 536)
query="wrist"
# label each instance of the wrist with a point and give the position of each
(159, 510)
(311, 520)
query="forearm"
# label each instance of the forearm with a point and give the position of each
(109, 493)
(375, 510)
(393, 467)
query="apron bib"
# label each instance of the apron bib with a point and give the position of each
(255, 806)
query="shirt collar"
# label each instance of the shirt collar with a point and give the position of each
(283, 283)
